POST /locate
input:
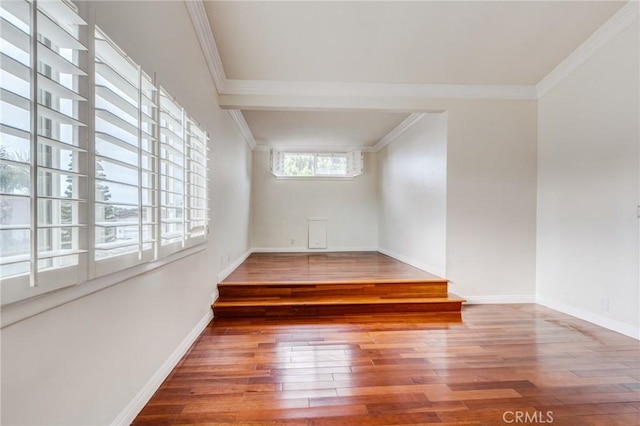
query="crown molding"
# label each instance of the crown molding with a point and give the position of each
(243, 127)
(398, 130)
(376, 90)
(202, 27)
(616, 24)
(386, 140)
(314, 149)
(388, 91)
(627, 15)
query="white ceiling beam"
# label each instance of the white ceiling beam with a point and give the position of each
(376, 90)
(336, 104)
(234, 90)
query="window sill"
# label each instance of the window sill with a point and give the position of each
(21, 310)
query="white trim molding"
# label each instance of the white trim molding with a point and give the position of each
(132, 409)
(617, 23)
(225, 86)
(413, 262)
(202, 26)
(398, 130)
(602, 321)
(243, 127)
(308, 250)
(499, 299)
(375, 90)
(627, 15)
(215, 295)
(233, 265)
(319, 150)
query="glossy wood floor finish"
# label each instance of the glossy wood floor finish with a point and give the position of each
(322, 267)
(319, 284)
(385, 370)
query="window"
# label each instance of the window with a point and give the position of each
(124, 159)
(87, 191)
(43, 159)
(183, 189)
(304, 165)
(197, 142)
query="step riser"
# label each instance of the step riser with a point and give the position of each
(313, 290)
(330, 310)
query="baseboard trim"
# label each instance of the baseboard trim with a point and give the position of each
(215, 295)
(132, 409)
(500, 299)
(602, 321)
(308, 250)
(233, 265)
(413, 262)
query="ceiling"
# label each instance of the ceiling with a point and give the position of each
(311, 130)
(390, 43)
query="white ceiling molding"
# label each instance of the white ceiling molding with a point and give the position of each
(242, 125)
(398, 130)
(386, 140)
(207, 42)
(376, 90)
(315, 149)
(297, 95)
(224, 86)
(617, 23)
(627, 15)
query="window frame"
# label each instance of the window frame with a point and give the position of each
(354, 164)
(64, 283)
(61, 36)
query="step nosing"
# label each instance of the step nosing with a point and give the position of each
(335, 302)
(425, 281)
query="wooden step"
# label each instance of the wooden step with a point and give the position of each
(402, 288)
(333, 284)
(327, 305)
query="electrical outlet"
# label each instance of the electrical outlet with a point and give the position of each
(604, 305)
(293, 241)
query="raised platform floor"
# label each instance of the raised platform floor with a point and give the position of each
(320, 284)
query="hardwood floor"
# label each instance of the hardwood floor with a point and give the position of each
(320, 284)
(324, 267)
(503, 363)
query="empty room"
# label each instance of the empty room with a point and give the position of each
(319, 212)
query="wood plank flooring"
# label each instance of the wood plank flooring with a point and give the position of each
(319, 284)
(503, 361)
(325, 267)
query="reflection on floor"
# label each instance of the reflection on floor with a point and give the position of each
(398, 369)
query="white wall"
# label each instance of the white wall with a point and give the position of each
(491, 199)
(588, 185)
(281, 208)
(82, 363)
(413, 195)
(489, 229)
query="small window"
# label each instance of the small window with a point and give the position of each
(309, 165)
(331, 165)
